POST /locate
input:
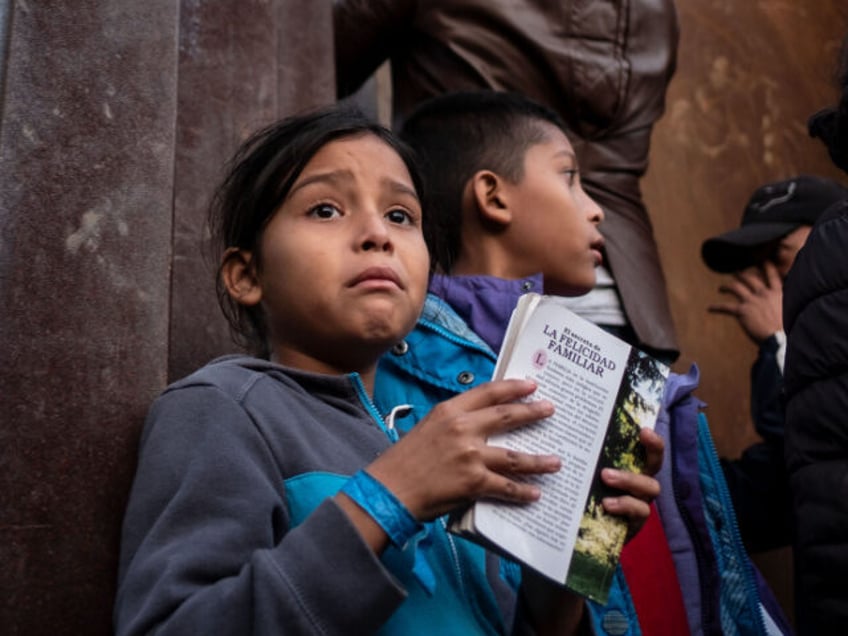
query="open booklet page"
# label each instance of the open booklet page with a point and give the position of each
(603, 390)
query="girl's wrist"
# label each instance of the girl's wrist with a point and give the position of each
(381, 504)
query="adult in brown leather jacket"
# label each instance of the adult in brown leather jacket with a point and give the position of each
(603, 67)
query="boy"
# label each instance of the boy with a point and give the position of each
(506, 214)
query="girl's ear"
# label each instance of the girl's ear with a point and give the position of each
(490, 196)
(238, 274)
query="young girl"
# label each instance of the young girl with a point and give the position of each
(271, 496)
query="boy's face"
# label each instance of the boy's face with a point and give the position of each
(555, 223)
(344, 265)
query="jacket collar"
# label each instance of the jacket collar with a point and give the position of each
(485, 303)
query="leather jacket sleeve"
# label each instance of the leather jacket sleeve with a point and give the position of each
(603, 68)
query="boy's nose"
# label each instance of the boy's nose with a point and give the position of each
(596, 214)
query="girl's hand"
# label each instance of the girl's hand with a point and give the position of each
(641, 489)
(445, 461)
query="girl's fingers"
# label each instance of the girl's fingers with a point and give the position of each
(504, 488)
(483, 416)
(510, 462)
(488, 394)
(505, 417)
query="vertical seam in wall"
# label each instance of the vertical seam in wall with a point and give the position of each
(173, 216)
(5, 47)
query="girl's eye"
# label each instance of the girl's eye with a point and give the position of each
(324, 211)
(399, 216)
(570, 176)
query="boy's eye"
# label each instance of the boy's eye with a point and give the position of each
(324, 211)
(570, 175)
(399, 215)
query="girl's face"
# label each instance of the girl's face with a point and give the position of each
(344, 267)
(555, 227)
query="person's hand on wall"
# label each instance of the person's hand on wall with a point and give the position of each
(757, 301)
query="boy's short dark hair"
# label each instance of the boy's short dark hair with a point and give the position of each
(457, 134)
(259, 178)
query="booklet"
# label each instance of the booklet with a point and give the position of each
(604, 391)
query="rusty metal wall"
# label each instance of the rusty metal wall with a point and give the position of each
(749, 75)
(116, 117)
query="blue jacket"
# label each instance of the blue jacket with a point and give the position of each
(443, 357)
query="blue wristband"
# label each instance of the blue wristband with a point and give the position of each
(395, 520)
(379, 502)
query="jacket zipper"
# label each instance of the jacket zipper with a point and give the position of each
(736, 537)
(691, 527)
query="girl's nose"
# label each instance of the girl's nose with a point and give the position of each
(375, 233)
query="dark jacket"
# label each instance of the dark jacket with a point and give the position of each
(758, 481)
(231, 527)
(604, 67)
(815, 314)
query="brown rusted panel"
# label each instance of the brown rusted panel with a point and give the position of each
(242, 65)
(85, 249)
(91, 224)
(227, 87)
(306, 72)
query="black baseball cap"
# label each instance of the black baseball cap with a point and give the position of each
(772, 212)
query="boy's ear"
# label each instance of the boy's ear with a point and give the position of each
(489, 193)
(238, 273)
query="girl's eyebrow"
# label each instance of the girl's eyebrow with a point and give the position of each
(400, 187)
(334, 177)
(342, 177)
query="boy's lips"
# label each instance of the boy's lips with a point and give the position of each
(377, 275)
(597, 248)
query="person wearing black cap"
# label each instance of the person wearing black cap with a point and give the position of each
(775, 224)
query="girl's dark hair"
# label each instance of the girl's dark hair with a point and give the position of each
(457, 134)
(259, 178)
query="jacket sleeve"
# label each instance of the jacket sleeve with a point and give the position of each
(758, 481)
(207, 547)
(366, 33)
(767, 400)
(759, 488)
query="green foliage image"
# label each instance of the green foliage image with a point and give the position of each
(601, 536)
